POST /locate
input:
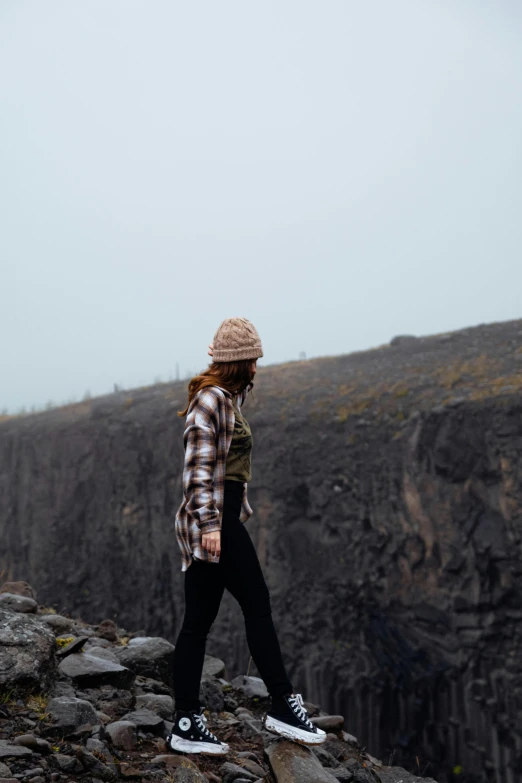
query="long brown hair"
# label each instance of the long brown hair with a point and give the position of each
(235, 377)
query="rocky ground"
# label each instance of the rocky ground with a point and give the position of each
(95, 703)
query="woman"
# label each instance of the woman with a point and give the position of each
(216, 549)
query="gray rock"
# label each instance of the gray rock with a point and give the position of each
(251, 686)
(18, 603)
(213, 667)
(18, 588)
(188, 775)
(150, 657)
(231, 772)
(93, 764)
(58, 623)
(290, 762)
(146, 720)
(64, 763)
(7, 749)
(122, 734)
(5, 772)
(253, 767)
(211, 694)
(90, 671)
(102, 652)
(34, 743)
(27, 649)
(72, 647)
(69, 713)
(161, 704)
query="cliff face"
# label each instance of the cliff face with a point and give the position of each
(387, 491)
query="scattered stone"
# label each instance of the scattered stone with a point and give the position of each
(87, 670)
(4, 770)
(161, 704)
(58, 623)
(34, 743)
(7, 749)
(72, 647)
(93, 764)
(173, 760)
(251, 686)
(64, 763)
(148, 685)
(149, 656)
(211, 694)
(27, 649)
(32, 773)
(108, 629)
(231, 772)
(253, 767)
(102, 652)
(290, 762)
(146, 720)
(188, 775)
(18, 588)
(122, 734)
(213, 667)
(18, 603)
(69, 713)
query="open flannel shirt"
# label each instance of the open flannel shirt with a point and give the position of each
(206, 439)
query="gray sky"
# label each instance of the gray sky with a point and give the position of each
(337, 171)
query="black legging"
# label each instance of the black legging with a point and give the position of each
(240, 572)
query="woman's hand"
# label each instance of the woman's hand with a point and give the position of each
(211, 350)
(212, 542)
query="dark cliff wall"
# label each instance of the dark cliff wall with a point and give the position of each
(387, 491)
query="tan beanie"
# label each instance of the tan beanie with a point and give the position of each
(235, 339)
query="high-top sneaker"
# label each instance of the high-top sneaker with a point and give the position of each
(190, 734)
(289, 718)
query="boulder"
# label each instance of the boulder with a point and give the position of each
(26, 652)
(231, 772)
(161, 704)
(290, 762)
(150, 656)
(122, 734)
(59, 624)
(251, 686)
(91, 671)
(108, 630)
(213, 667)
(7, 750)
(18, 603)
(69, 713)
(18, 588)
(146, 720)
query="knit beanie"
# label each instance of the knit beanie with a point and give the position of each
(235, 339)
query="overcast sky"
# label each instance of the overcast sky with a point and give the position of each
(337, 171)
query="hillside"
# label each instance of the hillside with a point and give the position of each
(387, 496)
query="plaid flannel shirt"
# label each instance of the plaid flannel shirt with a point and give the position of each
(207, 438)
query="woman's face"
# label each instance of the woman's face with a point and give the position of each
(253, 367)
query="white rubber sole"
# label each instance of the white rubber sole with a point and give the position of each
(189, 746)
(293, 732)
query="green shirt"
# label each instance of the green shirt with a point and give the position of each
(238, 466)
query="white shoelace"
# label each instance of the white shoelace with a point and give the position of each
(297, 705)
(201, 720)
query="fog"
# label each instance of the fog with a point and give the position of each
(338, 172)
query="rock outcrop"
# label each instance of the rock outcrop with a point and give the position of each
(387, 496)
(62, 727)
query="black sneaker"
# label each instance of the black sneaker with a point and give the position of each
(289, 718)
(190, 735)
